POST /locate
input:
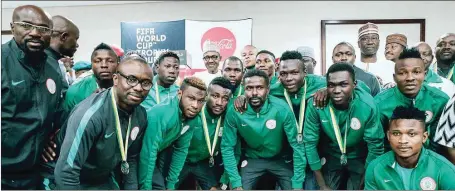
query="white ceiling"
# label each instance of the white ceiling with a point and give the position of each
(14, 4)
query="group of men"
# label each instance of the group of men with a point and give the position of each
(245, 123)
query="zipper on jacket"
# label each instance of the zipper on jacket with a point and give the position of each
(413, 102)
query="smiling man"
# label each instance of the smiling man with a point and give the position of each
(346, 134)
(445, 56)
(168, 136)
(233, 70)
(412, 92)
(409, 166)
(212, 58)
(104, 133)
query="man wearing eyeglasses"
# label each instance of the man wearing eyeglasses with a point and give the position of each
(212, 60)
(31, 97)
(104, 133)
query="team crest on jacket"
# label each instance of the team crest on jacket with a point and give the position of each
(184, 129)
(271, 124)
(355, 123)
(428, 117)
(50, 84)
(134, 133)
(427, 183)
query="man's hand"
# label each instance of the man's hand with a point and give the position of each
(320, 98)
(213, 188)
(49, 149)
(389, 85)
(240, 104)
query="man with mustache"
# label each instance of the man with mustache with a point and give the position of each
(409, 166)
(445, 56)
(104, 133)
(248, 54)
(345, 134)
(32, 97)
(168, 66)
(265, 61)
(431, 77)
(410, 92)
(369, 44)
(233, 71)
(308, 58)
(204, 158)
(394, 45)
(263, 130)
(212, 58)
(168, 136)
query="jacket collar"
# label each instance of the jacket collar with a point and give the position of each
(423, 157)
(264, 108)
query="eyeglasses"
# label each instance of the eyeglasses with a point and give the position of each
(207, 58)
(133, 81)
(29, 27)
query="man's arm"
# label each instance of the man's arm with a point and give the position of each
(373, 135)
(178, 158)
(149, 151)
(229, 144)
(370, 182)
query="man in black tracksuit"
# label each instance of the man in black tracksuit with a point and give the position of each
(104, 133)
(31, 97)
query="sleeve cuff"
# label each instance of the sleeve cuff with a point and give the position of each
(236, 183)
(170, 185)
(316, 165)
(297, 185)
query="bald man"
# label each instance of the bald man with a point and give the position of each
(445, 56)
(249, 53)
(31, 97)
(431, 77)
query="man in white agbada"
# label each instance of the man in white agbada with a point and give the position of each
(212, 58)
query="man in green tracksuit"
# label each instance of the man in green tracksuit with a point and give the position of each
(204, 158)
(168, 124)
(104, 64)
(233, 70)
(445, 56)
(263, 130)
(265, 61)
(409, 76)
(409, 166)
(104, 133)
(168, 64)
(346, 132)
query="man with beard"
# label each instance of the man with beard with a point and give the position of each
(369, 43)
(431, 77)
(308, 58)
(409, 166)
(410, 92)
(168, 136)
(445, 131)
(265, 61)
(346, 132)
(394, 45)
(249, 53)
(263, 130)
(168, 66)
(445, 56)
(104, 133)
(212, 57)
(345, 52)
(32, 89)
(204, 160)
(104, 65)
(233, 71)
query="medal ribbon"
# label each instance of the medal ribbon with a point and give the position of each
(206, 133)
(336, 129)
(123, 149)
(240, 91)
(449, 76)
(157, 93)
(302, 107)
(450, 73)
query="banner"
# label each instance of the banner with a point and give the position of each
(231, 37)
(153, 38)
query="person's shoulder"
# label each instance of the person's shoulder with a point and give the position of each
(435, 93)
(316, 78)
(439, 160)
(365, 98)
(75, 88)
(163, 108)
(278, 103)
(381, 161)
(385, 94)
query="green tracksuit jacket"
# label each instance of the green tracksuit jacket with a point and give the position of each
(433, 172)
(445, 75)
(166, 127)
(264, 134)
(164, 94)
(364, 136)
(79, 91)
(429, 99)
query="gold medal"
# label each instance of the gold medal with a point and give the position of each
(125, 167)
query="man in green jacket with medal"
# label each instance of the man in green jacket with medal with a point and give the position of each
(204, 158)
(445, 56)
(412, 92)
(346, 132)
(263, 130)
(168, 66)
(409, 166)
(169, 133)
(233, 70)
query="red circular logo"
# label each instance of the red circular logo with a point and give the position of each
(223, 38)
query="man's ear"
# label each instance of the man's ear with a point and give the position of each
(425, 137)
(115, 79)
(64, 36)
(179, 94)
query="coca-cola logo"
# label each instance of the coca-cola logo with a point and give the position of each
(223, 38)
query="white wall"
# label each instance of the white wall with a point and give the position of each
(277, 25)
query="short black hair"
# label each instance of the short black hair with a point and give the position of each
(402, 112)
(104, 46)
(266, 52)
(223, 82)
(234, 59)
(293, 55)
(410, 53)
(259, 73)
(194, 82)
(340, 67)
(134, 55)
(167, 54)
